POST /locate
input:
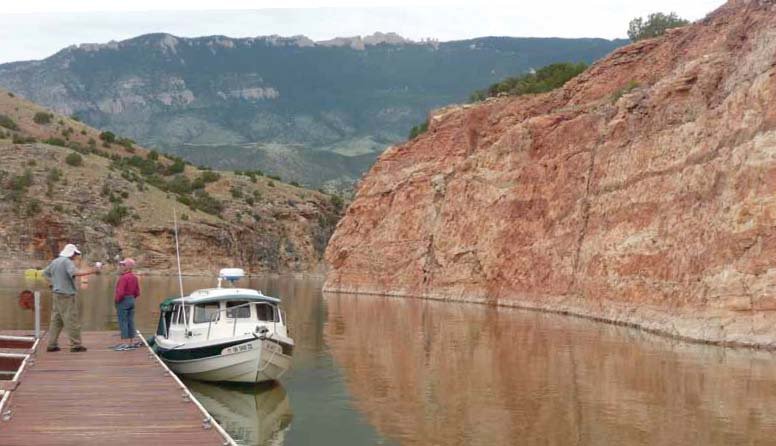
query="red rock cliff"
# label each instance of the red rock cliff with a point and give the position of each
(656, 207)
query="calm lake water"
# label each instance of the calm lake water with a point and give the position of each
(372, 370)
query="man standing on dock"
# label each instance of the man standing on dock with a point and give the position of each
(66, 308)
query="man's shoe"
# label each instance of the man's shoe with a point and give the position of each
(77, 349)
(53, 349)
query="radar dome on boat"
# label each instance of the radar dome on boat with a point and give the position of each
(231, 274)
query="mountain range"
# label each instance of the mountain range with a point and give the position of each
(317, 113)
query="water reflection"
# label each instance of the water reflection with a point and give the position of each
(322, 410)
(252, 414)
(435, 373)
(369, 370)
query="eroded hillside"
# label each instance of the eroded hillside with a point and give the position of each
(62, 181)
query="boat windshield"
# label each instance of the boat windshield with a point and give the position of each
(243, 310)
(203, 313)
(177, 314)
(266, 312)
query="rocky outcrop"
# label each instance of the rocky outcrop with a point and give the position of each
(643, 192)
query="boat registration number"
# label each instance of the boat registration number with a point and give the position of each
(237, 349)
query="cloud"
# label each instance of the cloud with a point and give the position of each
(437, 19)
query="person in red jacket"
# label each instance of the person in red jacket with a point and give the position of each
(127, 290)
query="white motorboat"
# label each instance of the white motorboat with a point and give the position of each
(225, 334)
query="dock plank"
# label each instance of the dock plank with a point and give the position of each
(101, 397)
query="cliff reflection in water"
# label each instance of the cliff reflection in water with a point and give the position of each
(253, 415)
(434, 373)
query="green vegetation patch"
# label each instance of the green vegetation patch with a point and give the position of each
(418, 130)
(20, 183)
(543, 80)
(206, 203)
(74, 159)
(55, 142)
(116, 214)
(18, 139)
(655, 25)
(7, 122)
(42, 118)
(108, 137)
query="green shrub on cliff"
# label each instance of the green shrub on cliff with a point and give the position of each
(207, 203)
(180, 184)
(147, 166)
(42, 118)
(20, 183)
(108, 137)
(7, 122)
(18, 139)
(655, 25)
(541, 81)
(337, 202)
(178, 166)
(127, 143)
(74, 159)
(55, 142)
(209, 176)
(418, 130)
(116, 215)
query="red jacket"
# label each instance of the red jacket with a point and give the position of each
(127, 285)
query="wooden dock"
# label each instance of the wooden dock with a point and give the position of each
(102, 397)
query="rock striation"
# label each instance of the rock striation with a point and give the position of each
(643, 192)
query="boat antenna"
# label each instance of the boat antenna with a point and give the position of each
(180, 275)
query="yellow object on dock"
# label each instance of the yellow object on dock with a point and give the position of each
(33, 274)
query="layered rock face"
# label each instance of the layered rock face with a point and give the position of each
(642, 192)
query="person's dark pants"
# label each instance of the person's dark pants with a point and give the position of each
(126, 312)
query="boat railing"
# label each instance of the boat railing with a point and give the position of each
(214, 316)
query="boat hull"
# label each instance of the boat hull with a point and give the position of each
(252, 361)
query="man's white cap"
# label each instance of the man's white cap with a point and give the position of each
(69, 250)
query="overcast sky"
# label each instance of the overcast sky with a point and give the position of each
(35, 29)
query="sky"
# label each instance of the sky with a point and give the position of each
(35, 29)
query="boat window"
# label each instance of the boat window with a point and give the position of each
(265, 312)
(243, 312)
(203, 313)
(178, 314)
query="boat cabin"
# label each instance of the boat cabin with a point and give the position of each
(219, 313)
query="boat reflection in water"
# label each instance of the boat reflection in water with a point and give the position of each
(253, 414)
